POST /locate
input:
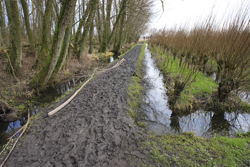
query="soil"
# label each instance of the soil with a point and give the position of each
(94, 129)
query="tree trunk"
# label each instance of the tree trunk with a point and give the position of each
(225, 87)
(105, 43)
(2, 25)
(106, 22)
(81, 24)
(91, 33)
(87, 26)
(99, 26)
(83, 6)
(15, 35)
(44, 51)
(65, 47)
(42, 78)
(27, 22)
(118, 44)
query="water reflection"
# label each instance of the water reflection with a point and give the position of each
(160, 119)
(113, 58)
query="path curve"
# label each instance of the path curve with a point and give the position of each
(94, 129)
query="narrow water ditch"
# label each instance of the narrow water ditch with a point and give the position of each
(160, 119)
(49, 95)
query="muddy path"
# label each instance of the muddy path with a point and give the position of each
(92, 130)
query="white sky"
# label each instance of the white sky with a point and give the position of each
(179, 12)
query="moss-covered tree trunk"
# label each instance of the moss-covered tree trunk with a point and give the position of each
(64, 50)
(78, 32)
(83, 6)
(118, 43)
(106, 41)
(2, 25)
(44, 51)
(15, 36)
(106, 24)
(42, 78)
(91, 33)
(27, 22)
(99, 26)
(87, 27)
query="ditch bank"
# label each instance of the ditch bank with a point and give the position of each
(160, 118)
(94, 129)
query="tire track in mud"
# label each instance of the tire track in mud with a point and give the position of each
(92, 130)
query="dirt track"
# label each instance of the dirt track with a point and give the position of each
(93, 130)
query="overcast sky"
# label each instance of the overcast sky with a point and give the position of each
(179, 12)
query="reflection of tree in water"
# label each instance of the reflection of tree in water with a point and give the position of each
(175, 124)
(219, 123)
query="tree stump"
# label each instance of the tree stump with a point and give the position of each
(7, 114)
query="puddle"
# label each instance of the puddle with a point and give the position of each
(160, 119)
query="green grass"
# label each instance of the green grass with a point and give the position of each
(202, 85)
(189, 150)
(198, 87)
(136, 89)
(135, 93)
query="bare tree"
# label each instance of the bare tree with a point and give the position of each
(2, 24)
(27, 22)
(42, 78)
(15, 36)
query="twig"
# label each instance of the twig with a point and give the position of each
(25, 127)
(10, 140)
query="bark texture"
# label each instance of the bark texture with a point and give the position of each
(15, 36)
(44, 75)
(27, 22)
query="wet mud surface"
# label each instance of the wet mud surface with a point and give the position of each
(94, 129)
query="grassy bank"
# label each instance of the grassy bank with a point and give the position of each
(189, 150)
(199, 89)
(136, 90)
